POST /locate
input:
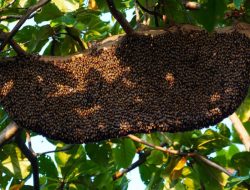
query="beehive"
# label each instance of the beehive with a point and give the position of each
(175, 80)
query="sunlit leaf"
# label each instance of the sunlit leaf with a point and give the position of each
(14, 162)
(244, 110)
(177, 171)
(66, 5)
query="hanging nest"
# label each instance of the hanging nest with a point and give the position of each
(175, 80)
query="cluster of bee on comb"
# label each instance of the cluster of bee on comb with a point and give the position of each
(168, 81)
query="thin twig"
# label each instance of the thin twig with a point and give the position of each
(8, 133)
(32, 158)
(58, 150)
(240, 129)
(140, 161)
(6, 17)
(142, 158)
(22, 20)
(119, 17)
(176, 152)
(148, 11)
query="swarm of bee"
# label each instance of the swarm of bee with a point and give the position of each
(174, 80)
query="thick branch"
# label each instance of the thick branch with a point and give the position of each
(22, 20)
(8, 133)
(240, 129)
(119, 17)
(176, 152)
(31, 157)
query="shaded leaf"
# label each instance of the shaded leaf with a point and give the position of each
(99, 152)
(47, 166)
(48, 12)
(124, 153)
(241, 162)
(156, 157)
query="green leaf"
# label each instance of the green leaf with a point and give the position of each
(191, 178)
(238, 3)
(211, 141)
(156, 181)
(224, 130)
(210, 177)
(241, 162)
(68, 161)
(65, 20)
(236, 138)
(49, 12)
(99, 152)
(223, 157)
(234, 181)
(14, 162)
(156, 157)
(47, 167)
(66, 5)
(124, 153)
(244, 110)
(210, 14)
(34, 37)
(103, 181)
(146, 171)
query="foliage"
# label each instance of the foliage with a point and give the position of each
(69, 26)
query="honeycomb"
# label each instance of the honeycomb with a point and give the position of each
(171, 81)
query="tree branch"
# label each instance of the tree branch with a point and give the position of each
(22, 20)
(13, 44)
(240, 129)
(31, 157)
(177, 152)
(119, 17)
(10, 17)
(8, 133)
(140, 161)
(148, 11)
(67, 148)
